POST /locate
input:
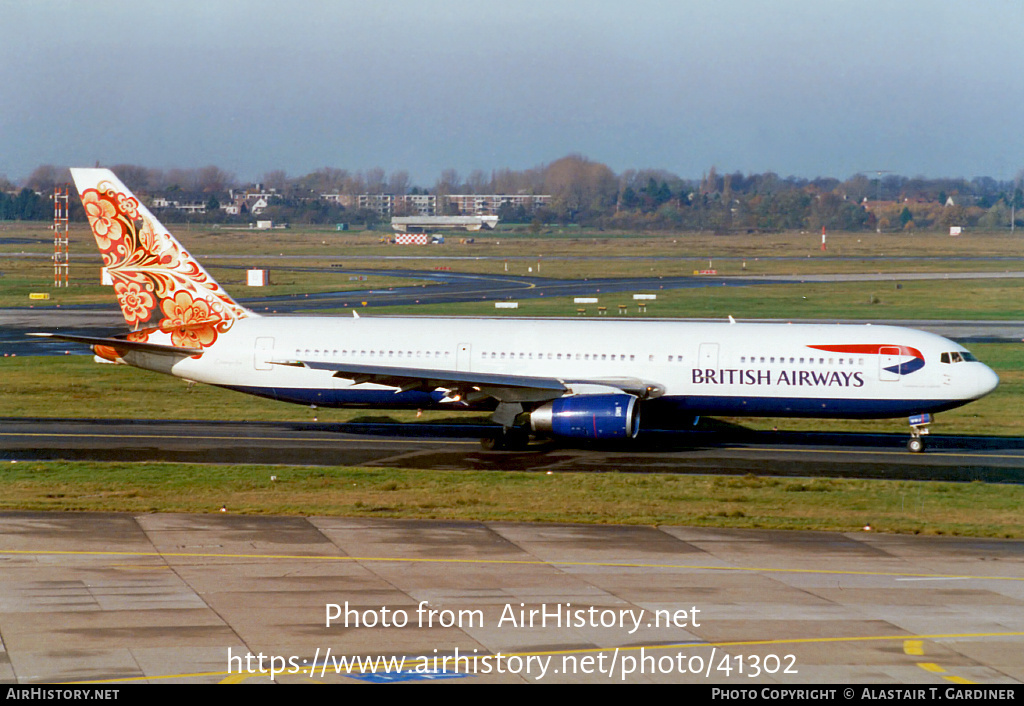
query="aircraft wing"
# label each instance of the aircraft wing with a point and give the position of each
(474, 386)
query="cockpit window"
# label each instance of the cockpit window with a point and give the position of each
(957, 357)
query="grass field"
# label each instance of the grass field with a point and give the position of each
(571, 253)
(982, 299)
(964, 509)
(202, 240)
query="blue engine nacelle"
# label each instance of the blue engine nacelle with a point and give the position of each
(589, 417)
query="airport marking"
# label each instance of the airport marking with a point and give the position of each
(194, 437)
(234, 677)
(936, 578)
(447, 441)
(895, 450)
(915, 648)
(501, 562)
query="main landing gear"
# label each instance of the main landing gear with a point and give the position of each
(510, 439)
(513, 436)
(918, 430)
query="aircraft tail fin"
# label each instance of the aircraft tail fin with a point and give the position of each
(163, 292)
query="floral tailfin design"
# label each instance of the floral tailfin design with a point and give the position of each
(165, 295)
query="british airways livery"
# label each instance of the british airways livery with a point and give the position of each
(570, 379)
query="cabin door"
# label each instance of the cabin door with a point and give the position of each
(709, 356)
(462, 357)
(263, 353)
(888, 363)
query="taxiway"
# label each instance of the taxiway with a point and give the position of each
(456, 447)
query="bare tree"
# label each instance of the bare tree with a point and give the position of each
(398, 183)
(856, 188)
(580, 186)
(330, 179)
(449, 183)
(505, 181)
(45, 177)
(156, 179)
(355, 184)
(213, 179)
(478, 183)
(135, 177)
(375, 180)
(184, 179)
(276, 180)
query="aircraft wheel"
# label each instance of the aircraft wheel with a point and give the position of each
(508, 440)
(915, 445)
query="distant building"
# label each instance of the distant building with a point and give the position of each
(404, 224)
(491, 204)
(419, 204)
(381, 203)
(456, 204)
(182, 201)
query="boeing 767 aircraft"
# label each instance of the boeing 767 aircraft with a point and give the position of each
(569, 379)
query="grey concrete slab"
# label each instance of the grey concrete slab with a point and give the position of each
(164, 598)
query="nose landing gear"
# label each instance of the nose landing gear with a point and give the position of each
(918, 430)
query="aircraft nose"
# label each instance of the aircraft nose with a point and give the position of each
(987, 380)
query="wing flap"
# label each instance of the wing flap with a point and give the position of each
(519, 388)
(500, 386)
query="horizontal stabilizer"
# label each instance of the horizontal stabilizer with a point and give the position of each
(121, 345)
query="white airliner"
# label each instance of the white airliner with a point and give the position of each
(571, 379)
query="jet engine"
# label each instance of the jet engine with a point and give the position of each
(611, 416)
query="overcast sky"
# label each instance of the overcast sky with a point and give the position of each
(799, 87)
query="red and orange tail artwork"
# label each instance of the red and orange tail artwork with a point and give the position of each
(165, 295)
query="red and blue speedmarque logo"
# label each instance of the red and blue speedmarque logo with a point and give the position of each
(904, 367)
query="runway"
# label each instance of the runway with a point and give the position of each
(456, 447)
(114, 599)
